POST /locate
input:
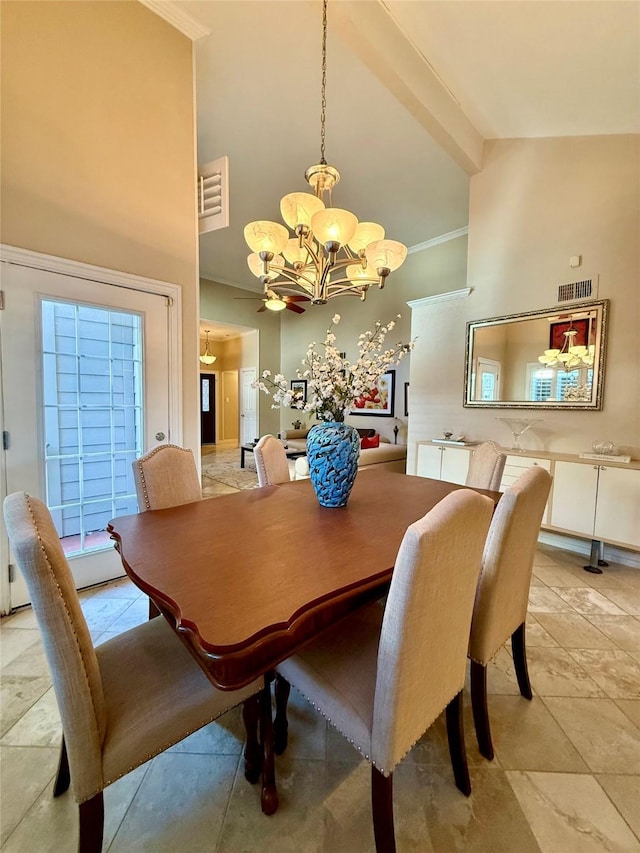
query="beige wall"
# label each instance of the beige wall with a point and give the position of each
(98, 152)
(536, 203)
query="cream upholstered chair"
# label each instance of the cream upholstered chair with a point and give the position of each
(486, 466)
(500, 609)
(382, 676)
(165, 476)
(271, 461)
(121, 702)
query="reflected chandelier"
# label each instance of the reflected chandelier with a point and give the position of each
(332, 254)
(570, 356)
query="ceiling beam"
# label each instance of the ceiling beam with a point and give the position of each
(371, 32)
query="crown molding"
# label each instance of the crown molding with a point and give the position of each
(174, 14)
(443, 238)
(440, 297)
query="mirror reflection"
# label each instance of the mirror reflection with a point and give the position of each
(549, 359)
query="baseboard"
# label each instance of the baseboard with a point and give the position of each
(583, 546)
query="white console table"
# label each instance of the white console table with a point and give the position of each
(593, 499)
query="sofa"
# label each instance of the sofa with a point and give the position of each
(392, 457)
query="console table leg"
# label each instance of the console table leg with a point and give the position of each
(269, 793)
(594, 558)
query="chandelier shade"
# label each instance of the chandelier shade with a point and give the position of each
(331, 254)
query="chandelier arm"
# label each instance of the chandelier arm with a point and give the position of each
(295, 278)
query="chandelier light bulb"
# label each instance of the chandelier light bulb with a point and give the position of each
(358, 273)
(386, 254)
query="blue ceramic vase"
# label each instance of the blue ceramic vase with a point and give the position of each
(332, 453)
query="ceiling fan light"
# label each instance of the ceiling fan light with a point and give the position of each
(274, 303)
(386, 254)
(334, 225)
(265, 236)
(366, 232)
(298, 208)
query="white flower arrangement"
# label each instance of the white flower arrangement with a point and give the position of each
(333, 382)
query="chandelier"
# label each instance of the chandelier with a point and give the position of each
(331, 254)
(571, 355)
(207, 356)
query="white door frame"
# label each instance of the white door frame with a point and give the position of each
(114, 278)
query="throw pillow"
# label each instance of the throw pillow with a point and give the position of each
(373, 441)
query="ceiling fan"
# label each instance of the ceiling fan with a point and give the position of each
(278, 302)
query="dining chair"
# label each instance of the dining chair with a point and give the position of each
(500, 608)
(165, 476)
(271, 461)
(122, 702)
(382, 676)
(486, 466)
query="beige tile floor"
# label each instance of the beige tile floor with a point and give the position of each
(566, 777)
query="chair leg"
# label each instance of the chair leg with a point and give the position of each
(153, 610)
(91, 825)
(382, 808)
(252, 749)
(457, 750)
(520, 661)
(480, 710)
(63, 777)
(280, 724)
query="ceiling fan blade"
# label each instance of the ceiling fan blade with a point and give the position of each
(296, 297)
(263, 308)
(293, 307)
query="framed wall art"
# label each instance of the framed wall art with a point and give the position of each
(380, 400)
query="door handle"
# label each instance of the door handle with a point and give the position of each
(160, 436)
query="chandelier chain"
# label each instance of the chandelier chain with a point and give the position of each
(323, 99)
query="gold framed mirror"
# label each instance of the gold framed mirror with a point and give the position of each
(548, 359)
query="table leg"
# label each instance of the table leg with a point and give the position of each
(269, 793)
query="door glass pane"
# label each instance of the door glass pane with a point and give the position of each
(92, 391)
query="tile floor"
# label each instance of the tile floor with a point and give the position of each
(566, 777)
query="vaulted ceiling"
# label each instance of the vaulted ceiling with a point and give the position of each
(414, 87)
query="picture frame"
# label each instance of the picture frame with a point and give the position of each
(299, 387)
(557, 336)
(380, 401)
(406, 399)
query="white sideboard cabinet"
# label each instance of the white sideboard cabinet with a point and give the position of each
(592, 499)
(441, 462)
(598, 501)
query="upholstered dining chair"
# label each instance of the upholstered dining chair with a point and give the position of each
(500, 608)
(165, 476)
(486, 466)
(271, 461)
(383, 675)
(122, 702)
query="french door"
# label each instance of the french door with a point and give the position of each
(87, 387)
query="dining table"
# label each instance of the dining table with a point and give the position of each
(246, 579)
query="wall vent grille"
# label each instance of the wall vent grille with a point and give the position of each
(575, 290)
(213, 195)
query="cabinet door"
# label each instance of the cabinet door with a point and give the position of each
(618, 506)
(573, 505)
(429, 461)
(455, 465)
(515, 466)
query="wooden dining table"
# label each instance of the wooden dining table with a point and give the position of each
(246, 579)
